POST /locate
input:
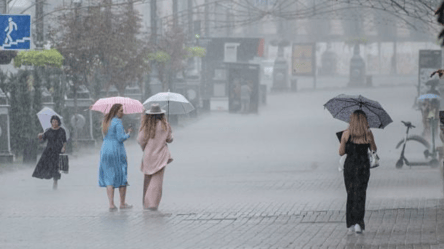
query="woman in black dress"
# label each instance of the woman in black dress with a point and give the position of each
(47, 167)
(355, 142)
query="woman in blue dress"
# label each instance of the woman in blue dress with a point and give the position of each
(113, 164)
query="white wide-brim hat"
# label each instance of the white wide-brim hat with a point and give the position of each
(155, 109)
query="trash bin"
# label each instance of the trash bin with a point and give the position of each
(206, 105)
(263, 93)
(294, 85)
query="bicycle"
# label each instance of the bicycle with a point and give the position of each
(433, 153)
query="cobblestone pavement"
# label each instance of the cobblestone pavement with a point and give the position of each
(239, 181)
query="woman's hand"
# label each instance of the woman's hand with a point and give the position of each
(63, 150)
(40, 135)
(130, 130)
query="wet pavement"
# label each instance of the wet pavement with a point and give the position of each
(267, 180)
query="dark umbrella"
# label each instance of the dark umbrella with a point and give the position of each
(342, 106)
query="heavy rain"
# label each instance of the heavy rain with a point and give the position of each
(216, 124)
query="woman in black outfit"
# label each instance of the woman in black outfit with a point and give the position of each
(47, 167)
(355, 142)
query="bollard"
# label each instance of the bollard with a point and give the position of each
(369, 80)
(294, 85)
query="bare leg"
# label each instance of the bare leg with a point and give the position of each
(123, 204)
(146, 182)
(122, 191)
(54, 185)
(110, 192)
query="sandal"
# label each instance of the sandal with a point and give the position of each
(113, 209)
(126, 206)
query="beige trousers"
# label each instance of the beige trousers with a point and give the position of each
(152, 189)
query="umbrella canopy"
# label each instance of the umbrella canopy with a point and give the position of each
(429, 96)
(342, 106)
(173, 103)
(129, 105)
(44, 117)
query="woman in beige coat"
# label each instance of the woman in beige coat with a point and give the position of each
(154, 134)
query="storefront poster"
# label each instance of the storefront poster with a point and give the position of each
(303, 59)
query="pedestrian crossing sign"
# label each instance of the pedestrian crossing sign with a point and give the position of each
(15, 32)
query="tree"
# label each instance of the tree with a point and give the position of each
(42, 61)
(7, 56)
(111, 35)
(58, 91)
(171, 54)
(4, 84)
(15, 114)
(440, 18)
(39, 58)
(36, 100)
(21, 131)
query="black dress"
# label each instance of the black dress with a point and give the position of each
(47, 167)
(356, 176)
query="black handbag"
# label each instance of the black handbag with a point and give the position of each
(64, 163)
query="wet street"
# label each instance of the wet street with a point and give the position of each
(267, 180)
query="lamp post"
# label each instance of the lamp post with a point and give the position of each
(77, 5)
(3, 5)
(38, 42)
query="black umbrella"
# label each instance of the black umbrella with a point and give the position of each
(342, 106)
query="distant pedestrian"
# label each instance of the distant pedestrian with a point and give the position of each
(48, 167)
(245, 98)
(430, 114)
(235, 95)
(154, 134)
(355, 142)
(113, 169)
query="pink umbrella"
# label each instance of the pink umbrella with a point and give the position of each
(129, 105)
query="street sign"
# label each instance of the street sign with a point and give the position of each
(15, 32)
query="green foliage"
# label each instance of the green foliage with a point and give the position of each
(4, 84)
(21, 117)
(14, 114)
(159, 56)
(6, 56)
(102, 39)
(25, 103)
(58, 96)
(196, 52)
(98, 84)
(36, 100)
(39, 58)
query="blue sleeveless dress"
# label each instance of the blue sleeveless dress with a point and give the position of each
(113, 168)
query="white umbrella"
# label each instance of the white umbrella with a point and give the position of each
(45, 119)
(174, 103)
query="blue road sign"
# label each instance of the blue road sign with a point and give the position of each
(15, 32)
